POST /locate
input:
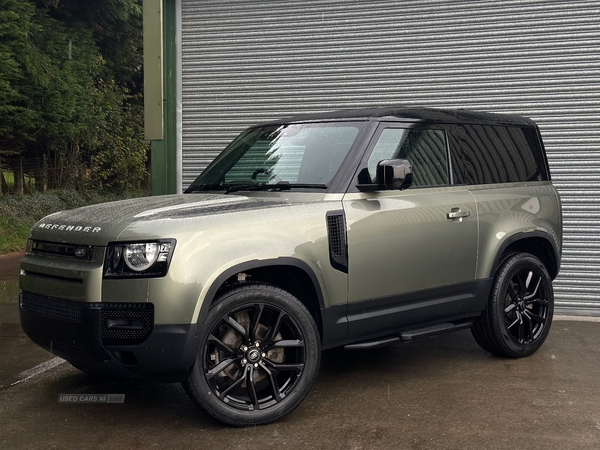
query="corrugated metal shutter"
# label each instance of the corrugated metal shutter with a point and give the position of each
(249, 61)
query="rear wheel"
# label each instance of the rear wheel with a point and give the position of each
(258, 357)
(519, 313)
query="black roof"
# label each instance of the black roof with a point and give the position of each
(412, 114)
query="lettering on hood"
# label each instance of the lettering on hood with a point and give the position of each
(73, 228)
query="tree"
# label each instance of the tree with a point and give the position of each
(70, 82)
(18, 70)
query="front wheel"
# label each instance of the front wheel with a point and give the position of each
(518, 316)
(258, 358)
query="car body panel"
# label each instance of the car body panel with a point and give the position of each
(416, 246)
(516, 211)
(416, 249)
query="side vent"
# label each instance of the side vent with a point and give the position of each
(336, 233)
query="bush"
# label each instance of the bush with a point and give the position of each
(18, 213)
(71, 100)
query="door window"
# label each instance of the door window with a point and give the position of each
(425, 149)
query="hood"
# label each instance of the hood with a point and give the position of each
(102, 223)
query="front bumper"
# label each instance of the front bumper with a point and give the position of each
(114, 339)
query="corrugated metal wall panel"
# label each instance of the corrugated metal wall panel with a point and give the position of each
(246, 61)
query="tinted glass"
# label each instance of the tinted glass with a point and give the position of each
(425, 149)
(298, 154)
(499, 155)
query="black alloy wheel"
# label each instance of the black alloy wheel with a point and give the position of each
(518, 316)
(526, 305)
(259, 356)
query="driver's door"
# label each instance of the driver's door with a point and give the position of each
(412, 253)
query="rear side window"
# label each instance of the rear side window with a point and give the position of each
(499, 154)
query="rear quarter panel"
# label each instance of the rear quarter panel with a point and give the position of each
(514, 209)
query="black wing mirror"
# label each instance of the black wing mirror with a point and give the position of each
(394, 173)
(391, 174)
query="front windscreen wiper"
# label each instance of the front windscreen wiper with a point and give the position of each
(207, 187)
(279, 186)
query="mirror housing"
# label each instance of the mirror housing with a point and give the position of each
(394, 173)
(391, 174)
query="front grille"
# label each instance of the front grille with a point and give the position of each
(141, 315)
(80, 252)
(55, 308)
(142, 312)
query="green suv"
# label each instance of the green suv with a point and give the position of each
(357, 228)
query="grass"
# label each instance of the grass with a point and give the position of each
(18, 213)
(12, 236)
(9, 178)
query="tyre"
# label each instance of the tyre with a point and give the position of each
(518, 316)
(258, 358)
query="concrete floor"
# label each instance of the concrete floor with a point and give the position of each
(441, 393)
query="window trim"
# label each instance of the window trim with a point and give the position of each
(446, 129)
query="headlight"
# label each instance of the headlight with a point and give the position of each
(138, 259)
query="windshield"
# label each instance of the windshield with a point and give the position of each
(295, 155)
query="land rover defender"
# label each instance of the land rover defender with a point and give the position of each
(357, 228)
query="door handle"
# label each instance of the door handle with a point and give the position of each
(456, 213)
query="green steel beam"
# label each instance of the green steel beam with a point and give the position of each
(165, 162)
(153, 70)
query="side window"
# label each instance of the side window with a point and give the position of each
(425, 149)
(385, 148)
(500, 154)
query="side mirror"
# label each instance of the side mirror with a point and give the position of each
(391, 174)
(394, 173)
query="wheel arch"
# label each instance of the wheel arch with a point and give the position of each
(290, 274)
(516, 303)
(537, 243)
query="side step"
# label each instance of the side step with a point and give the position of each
(383, 342)
(410, 335)
(435, 329)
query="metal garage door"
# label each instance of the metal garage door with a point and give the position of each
(249, 61)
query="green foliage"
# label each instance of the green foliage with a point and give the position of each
(122, 164)
(70, 89)
(13, 237)
(19, 213)
(17, 70)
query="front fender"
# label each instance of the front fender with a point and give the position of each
(208, 255)
(208, 294)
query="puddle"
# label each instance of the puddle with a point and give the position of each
(9, 292)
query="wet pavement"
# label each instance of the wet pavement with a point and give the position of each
(9, 266)
(442, 392)
(17, 352)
